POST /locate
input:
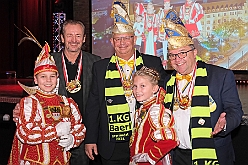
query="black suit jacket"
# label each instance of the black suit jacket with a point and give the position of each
(88, 60)
(96, 118)
(222, 88)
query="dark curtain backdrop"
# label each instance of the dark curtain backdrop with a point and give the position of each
(36, 15)
(7, 16)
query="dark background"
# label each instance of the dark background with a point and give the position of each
(36, 15)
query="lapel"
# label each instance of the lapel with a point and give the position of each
(85, 81)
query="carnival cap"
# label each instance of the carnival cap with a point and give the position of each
(178, 35)
(122, 22)
(45, 61)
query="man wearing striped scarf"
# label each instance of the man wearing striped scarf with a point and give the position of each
(111, 104)
(204, 101)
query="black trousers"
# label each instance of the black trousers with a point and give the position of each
(78, 156)
(121, 155)
(181, 156)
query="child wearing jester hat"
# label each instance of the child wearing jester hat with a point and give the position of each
(49, 124)
(154, 134)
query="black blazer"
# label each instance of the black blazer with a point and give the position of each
(96, 118)
(88, 60)
(222, 88)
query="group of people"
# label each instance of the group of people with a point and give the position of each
(133, 112)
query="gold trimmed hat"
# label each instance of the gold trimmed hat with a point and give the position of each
(122, 21)
(178, 35)
(45, 61)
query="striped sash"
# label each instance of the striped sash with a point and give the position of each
(119, 119)
(203, 149)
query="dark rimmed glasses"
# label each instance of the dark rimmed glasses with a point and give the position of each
(179, 55)
(127, 38)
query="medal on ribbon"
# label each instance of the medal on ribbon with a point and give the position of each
(184, 102)
(126, 80)
(74, 85)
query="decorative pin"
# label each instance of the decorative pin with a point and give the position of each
(110, 101)
(201, 121)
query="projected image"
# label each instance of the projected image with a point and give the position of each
(219, 28)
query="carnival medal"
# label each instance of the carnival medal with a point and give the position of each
(74, 85)
(184, 102)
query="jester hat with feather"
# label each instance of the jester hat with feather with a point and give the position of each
(44, 61)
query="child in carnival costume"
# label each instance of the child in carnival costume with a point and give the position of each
(49, 124)
(154, 135)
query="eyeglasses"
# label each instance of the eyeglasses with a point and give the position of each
(127, 38)
(179, 55)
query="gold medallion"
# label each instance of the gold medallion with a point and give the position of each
(73, 86)
(127, 87)
(184, 102)
(127, 84)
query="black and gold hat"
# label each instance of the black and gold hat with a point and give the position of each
(178, 35)
(122, 21)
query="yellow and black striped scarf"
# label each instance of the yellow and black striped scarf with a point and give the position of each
(203, 149)
(119, 121)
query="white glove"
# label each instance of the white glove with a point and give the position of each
(63, 128)
(142, 157)
(66, 141)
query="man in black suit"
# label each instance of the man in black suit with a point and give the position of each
(111, 104)
(204, 101)
(74, 66)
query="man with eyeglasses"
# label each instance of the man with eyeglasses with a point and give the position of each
(111, 104)
(204, 101)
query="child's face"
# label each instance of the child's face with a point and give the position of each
(143, 89)
(46, 80)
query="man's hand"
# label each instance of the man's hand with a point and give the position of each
(220, 125)
(89, 149)
(16, 113)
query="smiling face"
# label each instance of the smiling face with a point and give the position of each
(143, 88)
(46, 81)
(184, 65)
(123, 45)
(73, 37)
